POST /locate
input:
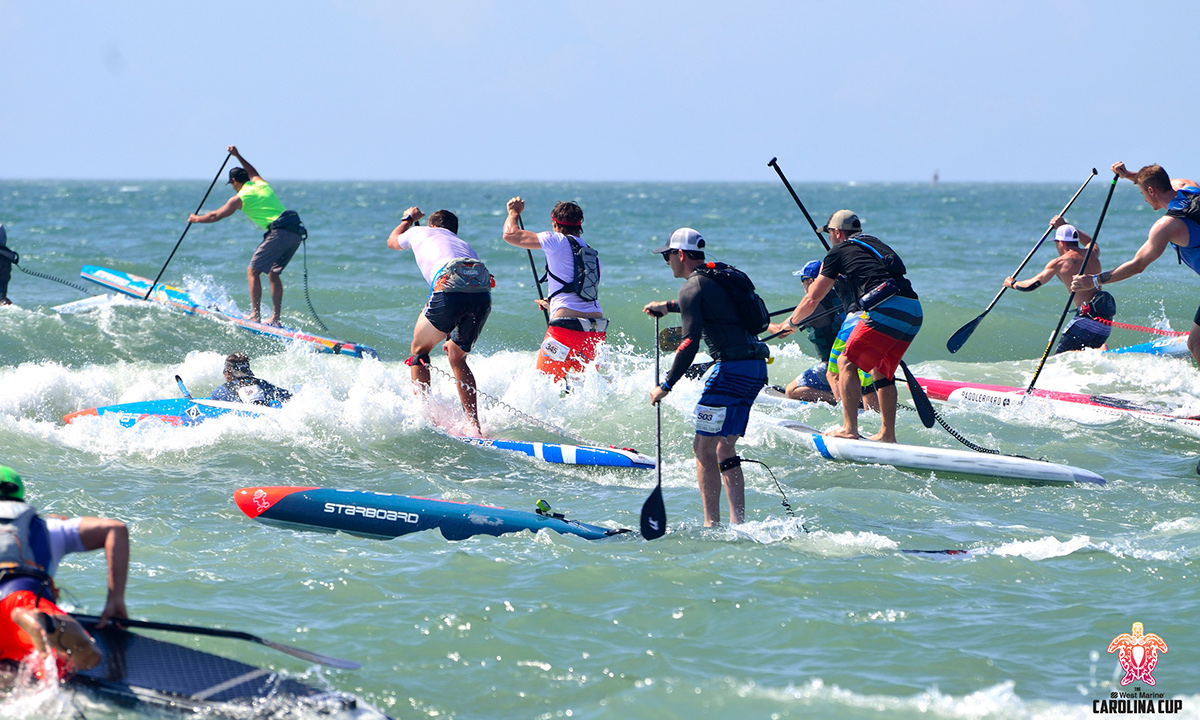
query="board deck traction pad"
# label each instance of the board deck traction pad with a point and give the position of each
(139, 669)
(136, 286)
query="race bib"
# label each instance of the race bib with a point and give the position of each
(250, 394)
(709, 419)
(555, 350)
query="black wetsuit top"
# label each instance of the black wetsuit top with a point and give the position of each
(271, 395)
(708, 313)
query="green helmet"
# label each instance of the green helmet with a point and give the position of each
(11, 487)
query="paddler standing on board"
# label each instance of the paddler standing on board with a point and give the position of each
(1179, 227)
(576, 325)
(282, 233)
(877, 344)
(8, 258)
(30, 550)
(709, 312)
(460, 299)
(1092, 304)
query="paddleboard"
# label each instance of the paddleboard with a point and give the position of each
(959, 462)
(385, 516)
(966, 393)
(173, 411)
(136, 286)
(1170, 346)
(140, 670)
(566, 454)
(772, 396)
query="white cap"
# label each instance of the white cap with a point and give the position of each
(684, 239)
(1067, 234)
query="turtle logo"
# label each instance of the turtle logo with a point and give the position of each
(1138, 654)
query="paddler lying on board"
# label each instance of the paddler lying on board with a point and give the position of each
(709, 312)
(241, 385)
(460, 300)
(1084, 330)
(1180, 228)
(282, 233)
(30, 550)
(828, 335)
(877, 344)
(576, 325)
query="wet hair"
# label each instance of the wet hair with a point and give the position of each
(1153, 176)
(568, 216)
(444, 219)
(693, 254)
(238, 365)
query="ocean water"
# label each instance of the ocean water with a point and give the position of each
(818, 615)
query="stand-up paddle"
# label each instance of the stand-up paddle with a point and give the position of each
(772, 163)
(654, 511)
(189, 227)
(536, 280)
(960, 337)
(234, 634)
(1071, 297)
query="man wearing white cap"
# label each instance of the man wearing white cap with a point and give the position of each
(708, 301)
(1084, 330)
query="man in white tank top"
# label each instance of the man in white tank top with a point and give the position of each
(576, 324)
(460, 299)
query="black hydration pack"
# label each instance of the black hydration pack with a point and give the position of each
(288, 221)
(10, 256)
(888, 257)
(586, 282)
(750, 309)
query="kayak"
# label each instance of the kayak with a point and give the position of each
(566, 454)
(959, 462)
(140, 670)
(1106, 406)
(136, 286)
(385, 516)
(173, 411)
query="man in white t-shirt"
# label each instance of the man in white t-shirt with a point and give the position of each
(576, 320)
(30, 550)
(460, 299)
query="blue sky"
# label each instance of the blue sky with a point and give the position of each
(613, 90)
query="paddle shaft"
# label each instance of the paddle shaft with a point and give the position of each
(233, 634)
(533, 267)
(185, 230)
(958, 339)
(796, 197)
(1071, 297)
(654, 511)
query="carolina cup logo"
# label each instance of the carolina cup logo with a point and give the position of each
(1138, 654)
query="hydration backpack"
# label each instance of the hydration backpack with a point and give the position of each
(586, 282)
(24, 545)
(750, 309)
(1188, 209)
(891, 261)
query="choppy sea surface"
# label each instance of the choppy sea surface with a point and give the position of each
(818, 615)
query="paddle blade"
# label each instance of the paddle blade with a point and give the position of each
(920, 399)
(669, 339)
(182, 388)
(654, 515)
(958, 339)
(695, 371)
(313, 657)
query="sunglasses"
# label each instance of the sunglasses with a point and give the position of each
(667, 255)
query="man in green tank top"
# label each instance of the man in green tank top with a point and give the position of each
(283, 232)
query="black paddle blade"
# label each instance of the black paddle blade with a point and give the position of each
(958, 339)
(920, 399)
(654, 515)
(669, 339)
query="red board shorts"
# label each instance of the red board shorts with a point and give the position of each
(870, 350)
(567, 350)
(15, 643)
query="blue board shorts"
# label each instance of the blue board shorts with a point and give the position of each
(815, 378)
(1083, 332)
(724, 408)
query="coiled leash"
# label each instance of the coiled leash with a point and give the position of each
(737, 460)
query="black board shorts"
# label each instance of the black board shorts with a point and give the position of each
(459, 315)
